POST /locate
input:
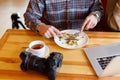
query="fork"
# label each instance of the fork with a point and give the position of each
(77, 34)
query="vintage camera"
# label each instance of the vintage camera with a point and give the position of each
(47, 66)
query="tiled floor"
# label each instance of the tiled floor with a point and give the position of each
(7, 7)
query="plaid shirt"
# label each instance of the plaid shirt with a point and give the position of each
(62, 14)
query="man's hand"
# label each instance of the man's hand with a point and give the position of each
(47, 31)
(90, 22)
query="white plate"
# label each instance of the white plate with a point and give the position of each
(62, 43)
(46, 52)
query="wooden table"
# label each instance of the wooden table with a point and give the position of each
(75, 64)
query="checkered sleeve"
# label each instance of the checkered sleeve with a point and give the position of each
(97, 8)
(33, 13)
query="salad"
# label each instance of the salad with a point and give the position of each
(70, 39)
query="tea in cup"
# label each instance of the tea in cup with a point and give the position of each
(37, 48)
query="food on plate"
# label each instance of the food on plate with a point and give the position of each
(69, 38)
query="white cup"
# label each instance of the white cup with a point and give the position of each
(37, 48)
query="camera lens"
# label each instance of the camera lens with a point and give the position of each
(24, 57)
(32, 62)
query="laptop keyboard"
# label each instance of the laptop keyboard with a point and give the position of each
(104, 61)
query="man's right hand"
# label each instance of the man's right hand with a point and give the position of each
(47, 31)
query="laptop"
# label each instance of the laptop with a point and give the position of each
(105, 59)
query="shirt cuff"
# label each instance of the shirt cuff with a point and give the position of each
(97, 15)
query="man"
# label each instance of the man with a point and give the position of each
(62, 14)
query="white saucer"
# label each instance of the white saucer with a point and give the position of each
(46, 51)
